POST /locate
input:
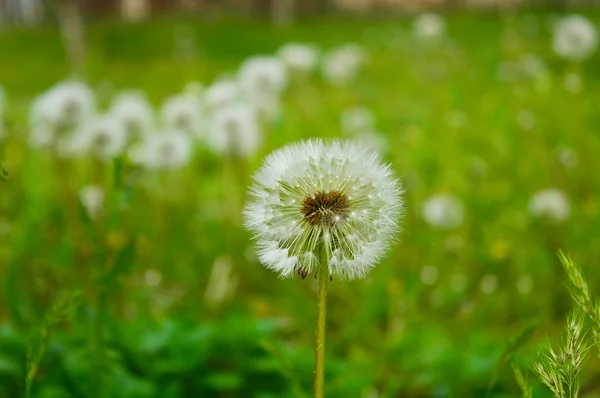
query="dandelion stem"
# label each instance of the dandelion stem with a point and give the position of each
(321, 324)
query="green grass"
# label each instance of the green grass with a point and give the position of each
(389, 333)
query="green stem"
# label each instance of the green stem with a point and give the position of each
(321, 324)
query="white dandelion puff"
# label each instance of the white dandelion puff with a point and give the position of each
(429, 26)
(551, 204)
(184, 113)
(133, 111)
(574, 38)
(299, 58)
(65, 104)
(168, 150)
(313, 199)
(444, 211)
(235, 131)
(102, 137)
(488, 284)
(221, 93)
(263, 75)
(92, 200)
(341, 65)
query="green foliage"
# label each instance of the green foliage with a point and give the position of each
(559, 370)
(522, 382)
(163, 314)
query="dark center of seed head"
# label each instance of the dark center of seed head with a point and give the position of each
(326, 208)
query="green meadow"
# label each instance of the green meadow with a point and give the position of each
(162, 295)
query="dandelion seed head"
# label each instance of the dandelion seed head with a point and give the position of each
(551, 204)
(341, 65)
(429, 26)
(574, 38)
(235, 131)
(184, 113)
(298, 57)
(293, 212)
(263, 75)
(167, 150)
(133, 111)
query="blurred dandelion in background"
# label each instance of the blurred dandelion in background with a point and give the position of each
(550, 204)
(443, 211)
(574, 38)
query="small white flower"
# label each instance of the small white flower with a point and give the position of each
(429, 26)
(235, 131)
(357, 120)
(551, 204)
(184, 113)
(92, 199)
(334, 199)
(221, 93)
(341, 65)
(444, 211)
(65, 104)
(133, 111)
(575, 38)
(263, 75)
(169, 150)
(299, 58)
(103, 137)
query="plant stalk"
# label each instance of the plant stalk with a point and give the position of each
(321, 324)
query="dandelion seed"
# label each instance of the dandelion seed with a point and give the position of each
(574, 38)
(443, 211)
(288, 188)
(551, 204)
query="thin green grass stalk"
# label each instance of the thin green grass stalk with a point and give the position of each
(559, 370)
(60, 312)
(319, 384)
(581, 294)
(3, 173)
(522, 382)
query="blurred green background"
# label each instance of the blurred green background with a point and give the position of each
(162, 295)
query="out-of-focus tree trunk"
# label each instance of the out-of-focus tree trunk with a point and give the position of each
(71, 24)
(135, 10)
(32, 11)
(282, 12)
